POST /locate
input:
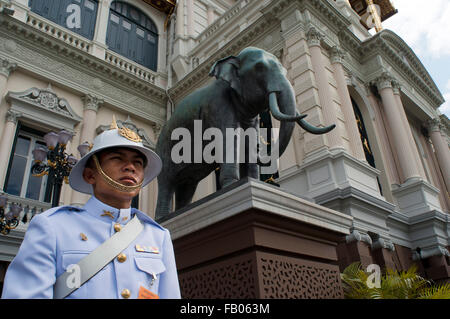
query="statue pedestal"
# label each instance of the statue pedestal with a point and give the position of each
(254, 240)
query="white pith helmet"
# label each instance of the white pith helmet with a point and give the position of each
(115, 137)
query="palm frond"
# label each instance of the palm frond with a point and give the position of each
(394, 285)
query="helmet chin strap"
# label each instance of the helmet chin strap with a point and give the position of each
(113, 183)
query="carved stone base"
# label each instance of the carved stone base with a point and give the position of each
(252, 240)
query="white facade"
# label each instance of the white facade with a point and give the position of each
(331, 60)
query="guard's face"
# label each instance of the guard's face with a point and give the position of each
(125, 166)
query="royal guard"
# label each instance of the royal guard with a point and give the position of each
(106, 249)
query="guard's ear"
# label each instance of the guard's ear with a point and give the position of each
(227, 69)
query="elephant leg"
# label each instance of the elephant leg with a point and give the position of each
(184, 193)
(165, 194)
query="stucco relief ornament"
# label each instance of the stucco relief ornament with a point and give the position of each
(48, 99)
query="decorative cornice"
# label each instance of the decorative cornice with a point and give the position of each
(6, 67)
(91, 102)
(383, 43)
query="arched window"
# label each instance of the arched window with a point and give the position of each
(132, 34)
(78, 16)
(363, 133)
(365, 139)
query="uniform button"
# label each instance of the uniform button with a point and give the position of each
(117, 227)
(121, 258)
(126, 293)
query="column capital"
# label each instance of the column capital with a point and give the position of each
(384, 81)
(91, 102)
(337, 55)
(314, 37)
(396, 86)
(435, 125)
(6, 67)
(13, 116)
(156, 129)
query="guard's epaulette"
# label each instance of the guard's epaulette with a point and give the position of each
(69, 208)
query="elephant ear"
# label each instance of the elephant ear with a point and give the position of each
(227, 69)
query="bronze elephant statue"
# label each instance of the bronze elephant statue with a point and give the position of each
(246, 85)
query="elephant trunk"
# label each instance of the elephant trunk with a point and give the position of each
(283, 107)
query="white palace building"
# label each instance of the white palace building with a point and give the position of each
(73, 64)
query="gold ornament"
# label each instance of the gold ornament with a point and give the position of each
(130, 135)
(125, 132)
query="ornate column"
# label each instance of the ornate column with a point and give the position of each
(396, 87)
(441, 149)
(180, 18)
(91, 105)
(6, 143)
(190, 17)
(337, 57)
(99, 42)
(6, 67)
(328, 109)
(397, 131)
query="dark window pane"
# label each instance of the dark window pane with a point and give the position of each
(84, 12)
(132, 34)
(22, 146)
(34, 187)
(16, 174)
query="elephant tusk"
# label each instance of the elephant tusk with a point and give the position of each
(275, 110)
(314, 129)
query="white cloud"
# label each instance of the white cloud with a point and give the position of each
(423, 25)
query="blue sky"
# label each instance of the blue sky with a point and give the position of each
(425, 27)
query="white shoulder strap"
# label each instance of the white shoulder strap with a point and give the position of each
(99, 258)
